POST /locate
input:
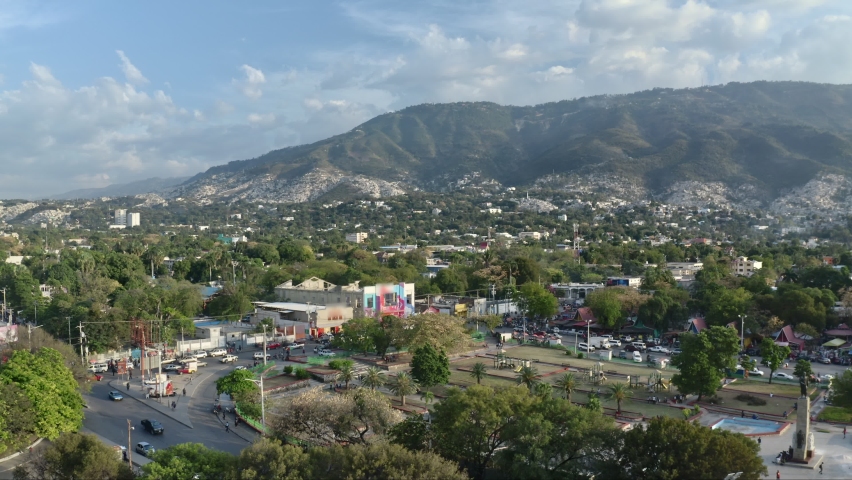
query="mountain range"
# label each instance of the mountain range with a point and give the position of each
(149, 185)
(750, 142)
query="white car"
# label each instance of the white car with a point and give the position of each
(259, 356)
(585, 347)
(658, 349)
(200, 354)
(228, 359)
(614, 342)
(240, 367)
(171, 367)
(785, 376)
(219, 352)
(756, 372)
(326, 353)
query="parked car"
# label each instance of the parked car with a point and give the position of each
(623, 354)
(326, 353)
(783, 375)
(115, 396)
(658, 349)
(825, 360)
(630, 348)
(144, 448)
(626, 338)
(219, 352)
(152, 426)
(259, 356)
(171, 368)
(757, 372)
(273, 346)
(99, 368)
(200, 354)
(676, 351)
(240, 367)
(228, 359)
(640, 346)
(615, 342)
(583, 346)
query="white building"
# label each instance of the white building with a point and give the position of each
(133, 219)
(684, 268)
(358, 237)
(120, 217)
(744, 267)
(574, 291)
(531, 235)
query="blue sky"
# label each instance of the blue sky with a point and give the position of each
(97, 92)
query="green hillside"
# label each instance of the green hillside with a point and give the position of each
(774, 135)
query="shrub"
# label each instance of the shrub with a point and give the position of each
(569, 352)
(302, 374)
(580, 355)
(339, 364)
(686, 413)
(288, 369)
(751, 399)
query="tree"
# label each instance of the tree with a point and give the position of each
(427, 397)
(803, 370)
(728, 306)
(269, 459)
(49, 386)
(317, 418)
(444, 332)
(842, 387)
(346, 374)
(358, 335)
(17, 418)
(543, 390)
(187, 460)
(490, 321)
(667, 449)
(430, 367)
(620, 393)
(413, 433)
(236, 382)
(524, 270)
(606, 306)
(373, 378)
(566, 384)
(704, 359)
(594, 404)
(773, 355)
(404, 385)
(536, 301)
(72, 456)
(478, 372)
(528, 377)
(373, 461)
(451, 280)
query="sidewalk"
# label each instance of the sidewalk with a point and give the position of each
(163, 405)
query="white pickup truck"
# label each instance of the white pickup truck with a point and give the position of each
(228, 359)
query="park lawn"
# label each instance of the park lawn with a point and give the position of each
(558, 357)
(835, 414)
(763, 386)
(646, 409)
(463, 378)
(775, 406)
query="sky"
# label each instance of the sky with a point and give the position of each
(94, 93)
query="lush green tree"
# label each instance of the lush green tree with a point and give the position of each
(50, 387)
(658, 278)
(236, 382)
(403, 386)
(373, 378)
(536, 301)
(524, 270)
(72, 456)
(567, 384)
(346, 374)
(451, 280)
(620, 393)
(704, 359)
(413, 433)
(443, 332)
(292, 252)
(490, 321)
(543, 390)
(606, 306)
(17, 418)
(773, 355)
(728, 306)
(188, 460)
(232, 303)
(842, 390)
(528, 377)
(478, 372)
(269, 459)
(594, 404)
(667, 449)
(373, 461)
(429, 367)
(358, 335)
(803, 370)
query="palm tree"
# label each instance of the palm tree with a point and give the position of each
(620, 393)
(404, 385)
(544, 390)
(528, 376)
(346, 374)
(427, 397)
(478, 372)
(566, 384)
(488, 257)
(373, 379)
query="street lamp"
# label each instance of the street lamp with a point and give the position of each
(129, 444)
(262, 404)
(742, 332)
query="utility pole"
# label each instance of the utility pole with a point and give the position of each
(264, 355)
(129, 444)
(742, 332)
(8, 321)
(82, 338)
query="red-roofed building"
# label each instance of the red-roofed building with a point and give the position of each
(696, 325)
(786, 337)
(842, 331)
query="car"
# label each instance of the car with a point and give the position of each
(756, 372)
(200, 354)
(219, 352)
(615, 342)
(299, 342)
(259, 356)
(825, 360)
(240, 367)
(556, 336)
(200, 364)
(152, 426)
(783, 375)
(116, 396)
(228, 359)
(623, 354)
(585, 347)
(326, 353)
(144, 448)
(171, 368)
(99, 368)
(273, 346)
(626, 338)
(658, 349)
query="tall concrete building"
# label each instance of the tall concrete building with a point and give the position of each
(133, 219)
(120, 217)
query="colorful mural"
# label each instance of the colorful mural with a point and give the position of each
(388, 299)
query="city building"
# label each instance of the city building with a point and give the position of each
(684, 268)
(531, 235)
(574, 291)
(633, 282)
(120, 217)
(133, 219)
(295, 318)
(744, 267)
(358, 237)
(377, 300)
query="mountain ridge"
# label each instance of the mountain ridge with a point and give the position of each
(766, 138)
(139, 187)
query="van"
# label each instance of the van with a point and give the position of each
(640, 346)
(584, 347)
(99, 368)
(637, 357)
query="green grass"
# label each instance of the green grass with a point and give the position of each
(763, 386)
(775, 406)
(646, 409)
(835, 414)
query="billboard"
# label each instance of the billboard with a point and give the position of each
(388, 299)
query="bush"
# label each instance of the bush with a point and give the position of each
(751, 399)
(302, 374)
(835, 414)
(580, 355)
(569, 352)
(288, 369)
(339, 364)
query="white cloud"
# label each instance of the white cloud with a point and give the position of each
(260, 118)
(251, 85)
(131, 73)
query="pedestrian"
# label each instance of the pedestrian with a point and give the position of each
(131, 374)
(147, 395)
(190, 379)
(742, 414)
(844, 432)
(227, 427)
(820, 468)
(184, 392)
(777, 474)
(174, 405)
(128, 386)
(759, 440)
(240, 348)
